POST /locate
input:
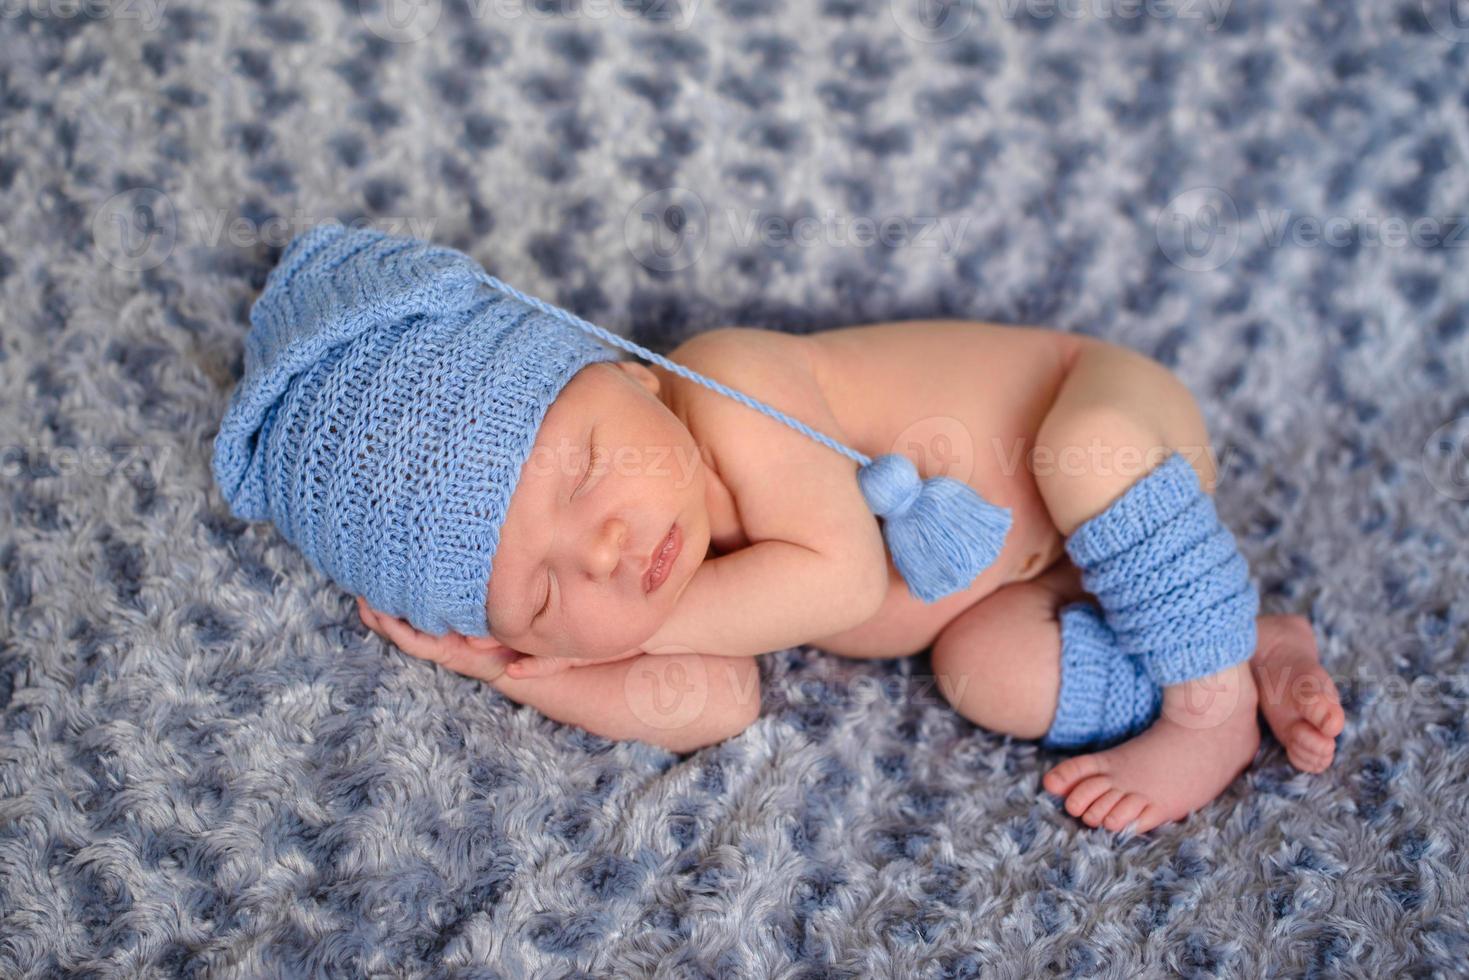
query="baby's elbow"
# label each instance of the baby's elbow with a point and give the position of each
(736, 691)
(729, 702)
(745, 700)
(734, 700)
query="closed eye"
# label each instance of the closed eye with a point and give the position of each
(593, 455)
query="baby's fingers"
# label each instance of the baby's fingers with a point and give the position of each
(402, 634)
(528, 667)
(478, 657)
(367, 614)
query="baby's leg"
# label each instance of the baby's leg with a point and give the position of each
(1115, 402)
(999, 662)
(1166, 574)
(1297, 696)
(1035, 660)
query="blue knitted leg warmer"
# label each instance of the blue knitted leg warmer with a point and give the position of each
(1170, 579)
(1106, 696)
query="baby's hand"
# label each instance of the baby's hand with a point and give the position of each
(528, 667)
(480, 657)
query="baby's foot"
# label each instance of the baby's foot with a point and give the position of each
(1205, 735)
(1297, 696)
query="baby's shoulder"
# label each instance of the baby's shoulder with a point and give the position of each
(785, 485)
(769, 366)
(744, 349)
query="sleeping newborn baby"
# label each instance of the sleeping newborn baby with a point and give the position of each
(614, 543)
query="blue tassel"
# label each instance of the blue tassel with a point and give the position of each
(940, 532)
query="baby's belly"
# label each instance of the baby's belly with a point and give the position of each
(963, 401)
(905, 624)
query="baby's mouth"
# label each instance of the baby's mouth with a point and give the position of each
(662, 559)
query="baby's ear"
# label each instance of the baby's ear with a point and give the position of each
(640, 374)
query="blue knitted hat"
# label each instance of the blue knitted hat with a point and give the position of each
(389, 401)
(392, 392)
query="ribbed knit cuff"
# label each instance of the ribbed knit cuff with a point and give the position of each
(1105, 695)
(1155, 499)
(1168, 574)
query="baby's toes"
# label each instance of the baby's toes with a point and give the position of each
(1067, 773)
(1102, 806)
(1126, 810)
(1086, 793)
(1151, 816)
(1307, 762)
(1328, 716)
(1306, 737)
(1316, 710)
(1308, 749)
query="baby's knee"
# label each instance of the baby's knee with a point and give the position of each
(1099, 447)
(998, 663)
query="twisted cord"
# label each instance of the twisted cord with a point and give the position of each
(607, 336)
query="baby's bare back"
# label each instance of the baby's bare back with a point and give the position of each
(960, 399)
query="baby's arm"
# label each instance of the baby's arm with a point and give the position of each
(817, 564)
(680, 703)
(769, 596)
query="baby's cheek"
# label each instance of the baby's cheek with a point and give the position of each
(611, 633)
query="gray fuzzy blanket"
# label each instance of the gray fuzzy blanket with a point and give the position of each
(209, 768)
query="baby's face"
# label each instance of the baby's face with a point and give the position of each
(613, 470)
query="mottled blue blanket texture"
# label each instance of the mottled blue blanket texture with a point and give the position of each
(208, 767)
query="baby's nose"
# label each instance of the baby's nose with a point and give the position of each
(607, 547)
